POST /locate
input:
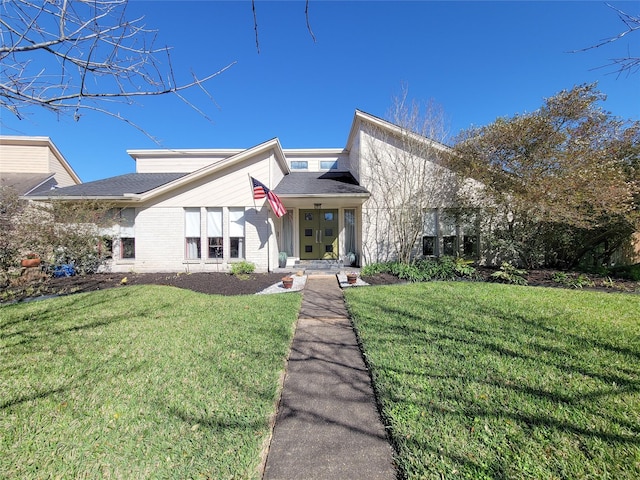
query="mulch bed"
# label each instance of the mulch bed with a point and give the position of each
(227, 284)
(210, 283)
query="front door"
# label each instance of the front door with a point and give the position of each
(318, 234)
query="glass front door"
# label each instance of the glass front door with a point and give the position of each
(318, 234)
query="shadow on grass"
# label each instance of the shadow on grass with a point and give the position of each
(559, 380)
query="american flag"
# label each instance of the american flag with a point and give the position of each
(260, 191)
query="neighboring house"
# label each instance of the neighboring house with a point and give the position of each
(33, 165)
(195, 210)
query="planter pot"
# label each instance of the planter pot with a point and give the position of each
(287, 282)
(352, 278)
(30, 262)
(282, 259)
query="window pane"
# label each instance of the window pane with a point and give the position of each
(191, 222)
(470, 245)
(127, 222)
(193, 248)
(328, 248)
(449, 245)
(328, 165)
(287, 234)
(429, 227)
(299, 165)
(350, 231)
(308, 248)
(328, 232)
(215, 247)
(236, 222)
(128, 247)
(308, 232)
(214, 222)
(328, 216)
(236, 247)
(428, 245)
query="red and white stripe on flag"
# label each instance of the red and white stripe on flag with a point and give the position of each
(260, 191)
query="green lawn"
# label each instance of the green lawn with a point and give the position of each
(484, 380)
(140, 382)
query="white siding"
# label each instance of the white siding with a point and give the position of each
(35, 155)
(190, 161)
(228, 187)
(60, 173)
(160, 237)
(24, 159)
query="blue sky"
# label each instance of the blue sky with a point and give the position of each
(479, 60)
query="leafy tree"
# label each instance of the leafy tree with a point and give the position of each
(561, 183)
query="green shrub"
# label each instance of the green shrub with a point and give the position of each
(242, 268)
(509, 274)
(375, 268)
(631, 272)
(444, 268)
(572, 281)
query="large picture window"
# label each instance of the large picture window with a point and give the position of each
(192, 233)
(214, 233)
(236, 233)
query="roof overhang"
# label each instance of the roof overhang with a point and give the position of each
(273, 144)
(238, 157)
(346, 200)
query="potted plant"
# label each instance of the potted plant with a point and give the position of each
(352, 259)
(352, 278)
(287, 282)
(32, 260)
(282, 259)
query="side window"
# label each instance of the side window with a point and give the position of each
(215, 233)
(192, 233)
(236, 233)
(127, 233)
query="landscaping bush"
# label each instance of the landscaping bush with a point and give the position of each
(509, 274)
(242, 268)
(631, 272)
(443, 268)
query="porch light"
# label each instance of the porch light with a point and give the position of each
(317, 206)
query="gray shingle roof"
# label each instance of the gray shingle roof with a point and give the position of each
(319, 183)
(23, 183)
(116, 186)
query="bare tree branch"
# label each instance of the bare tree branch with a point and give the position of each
(255, 22)
(72, 55)
(629, 64)
(306, 15)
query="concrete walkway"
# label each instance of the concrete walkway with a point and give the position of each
(327, 425)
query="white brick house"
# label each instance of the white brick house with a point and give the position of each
(194, 210)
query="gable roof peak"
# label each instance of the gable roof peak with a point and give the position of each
(389, 127)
